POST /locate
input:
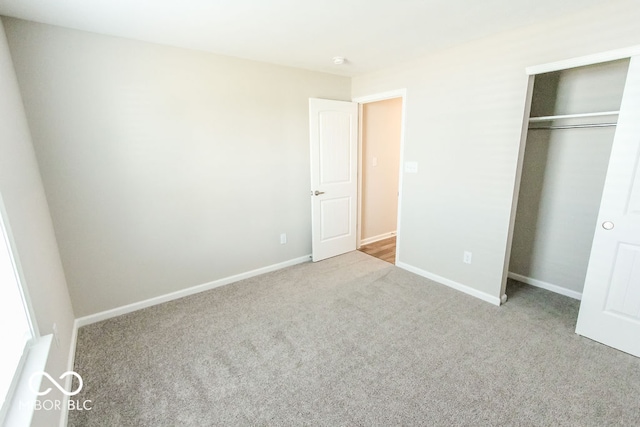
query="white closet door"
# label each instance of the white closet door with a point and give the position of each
(610, 308)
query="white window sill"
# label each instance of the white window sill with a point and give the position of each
(20, 412)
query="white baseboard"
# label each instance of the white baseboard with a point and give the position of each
(108, 314)
(377, 238)
(544, 285)
(450, 283)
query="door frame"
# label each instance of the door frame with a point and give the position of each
(531, 72)
(361, 100)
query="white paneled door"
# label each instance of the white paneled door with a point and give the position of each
(610, 307)
(334, 180)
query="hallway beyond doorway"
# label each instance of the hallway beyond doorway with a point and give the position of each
(383, 249)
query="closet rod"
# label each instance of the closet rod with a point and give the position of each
(592, 125)
(572, 116)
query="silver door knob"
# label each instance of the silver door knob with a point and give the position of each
(317, 193)
(607, 225)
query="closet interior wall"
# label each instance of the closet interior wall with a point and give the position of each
(563, 174)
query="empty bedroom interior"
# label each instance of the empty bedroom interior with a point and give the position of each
(139, 176)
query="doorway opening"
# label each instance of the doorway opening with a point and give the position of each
(379, 177)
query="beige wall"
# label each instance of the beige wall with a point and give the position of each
(563, 175)
(156, 160)
(165, 168)
(464, 115)
(381, 132)
(30, 223)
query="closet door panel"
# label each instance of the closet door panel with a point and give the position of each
(634, 199)
(610, 308)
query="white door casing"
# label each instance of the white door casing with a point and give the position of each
(333, 129)
(610, 307)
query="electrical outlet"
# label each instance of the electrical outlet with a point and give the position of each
(283, 238)
(467, 257)
(55, 335)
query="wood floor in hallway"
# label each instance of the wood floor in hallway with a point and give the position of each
(382, 249)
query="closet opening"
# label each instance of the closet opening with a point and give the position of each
(571, 128)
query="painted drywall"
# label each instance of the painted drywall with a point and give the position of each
(165, 168)
(381, 132)
(464, 115)
(29, 219)
(563, 175)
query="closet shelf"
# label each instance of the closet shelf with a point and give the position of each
(572, 116)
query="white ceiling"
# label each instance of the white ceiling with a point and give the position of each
(371, 34)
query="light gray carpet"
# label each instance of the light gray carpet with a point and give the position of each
(352, 341)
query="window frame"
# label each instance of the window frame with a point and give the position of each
(16, 387)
